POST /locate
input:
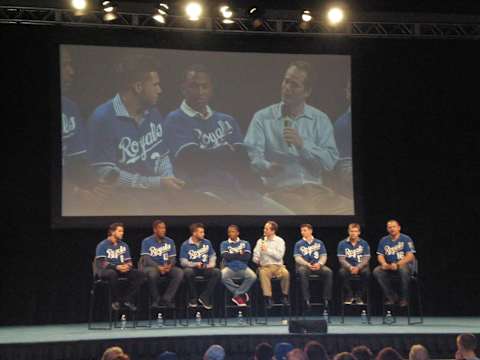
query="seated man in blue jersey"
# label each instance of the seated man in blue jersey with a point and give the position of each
(77, 195)
(127, 143)
(113, 261)
(396, 254)
(208, 152)
(343, 137)
(235, 256)
(310, 257)
(158, 258)
(353, 255)
(198, 257)
(291, 145)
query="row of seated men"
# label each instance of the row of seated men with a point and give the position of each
(395, 254)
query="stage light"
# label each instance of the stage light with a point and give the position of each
(110, 10)
(256, 15)
(79, 4)
(161, 12)
(227, 13)
(307, 16)
(335, 15)
(194, 11)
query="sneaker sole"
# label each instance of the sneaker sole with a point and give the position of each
(206, 306)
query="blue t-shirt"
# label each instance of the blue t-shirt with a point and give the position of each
(234, 247)
(395, 250)
(116, 139)
(114, 254)
(353, 253)
(200, 252)
(310, 252)
(73, 131)
(343, 134)
(158, 250)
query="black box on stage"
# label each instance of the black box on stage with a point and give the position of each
(308, 327)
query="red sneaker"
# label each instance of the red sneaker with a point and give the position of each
(247, 298)
(238, 300)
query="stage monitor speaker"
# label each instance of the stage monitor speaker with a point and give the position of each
(308, 327)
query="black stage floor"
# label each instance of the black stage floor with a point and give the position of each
(75, 341)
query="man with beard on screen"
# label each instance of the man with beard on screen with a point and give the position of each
(207, 150)
(292, 146)
(127, 145)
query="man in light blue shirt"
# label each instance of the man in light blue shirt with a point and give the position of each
(291, 145)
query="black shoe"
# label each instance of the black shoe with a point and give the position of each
(169, 304)
(192, 303)
(130, 306)
(205, 304)
(307, 304)
(285, 301)
(156, 304)
(268, 302)
(115, 306)
(389, 301)
(403, 303)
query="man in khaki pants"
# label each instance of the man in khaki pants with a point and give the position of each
(268, 254)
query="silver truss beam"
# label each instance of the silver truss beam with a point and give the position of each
(354, 29)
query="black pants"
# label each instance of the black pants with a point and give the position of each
(213, 275)
(326, 276)
(174, 278)
(134, 278)
(345, 276)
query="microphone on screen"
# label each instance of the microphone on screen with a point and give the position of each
(287, 123)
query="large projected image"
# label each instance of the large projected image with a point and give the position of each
(177, 132)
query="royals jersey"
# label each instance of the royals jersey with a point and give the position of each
(395, 250)
(200, 252)
(73, 131)
(114, 254)
(235, 247)
(310, 252)
(117, 140)
(353, 253)
(159, 250)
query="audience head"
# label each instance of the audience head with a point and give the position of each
(344, 356)
(466, 343)
(263, 351)
(214, 352)
(418, 352)
(167, 355)
(362, 352)
(388, 353)
(297, 354)
(315, 351)
(281, 350)
(112, 353)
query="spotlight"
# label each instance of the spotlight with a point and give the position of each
(227, 14)
(307, 16)
(335, 15)
(161, 12)
(79, 4)
(194, 11)
(110, 10)
(80, 7)
(256, 15)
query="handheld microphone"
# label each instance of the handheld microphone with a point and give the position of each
(287, 123)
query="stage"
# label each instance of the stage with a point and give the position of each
(75, 341)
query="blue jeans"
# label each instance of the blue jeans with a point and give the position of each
(385, 277)
(247, 275)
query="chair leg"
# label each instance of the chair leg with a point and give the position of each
(90, 310)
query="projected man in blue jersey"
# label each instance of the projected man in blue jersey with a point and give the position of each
(396, 256)
(207, 150)
(343, 137)
(292, 146)
(127, 143)
(75, 179)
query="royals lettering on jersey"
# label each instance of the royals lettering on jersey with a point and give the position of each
(310, 251)
(115, 254)
(116, 139)
(73, 131)
(185, 128)
(235, 247)
(200, 252)
(395, 250)
(160, 250)
(353, 253)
